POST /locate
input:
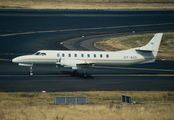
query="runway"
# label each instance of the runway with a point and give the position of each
(27, 31)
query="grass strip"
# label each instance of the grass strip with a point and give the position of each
(87, 4)
(102, 105)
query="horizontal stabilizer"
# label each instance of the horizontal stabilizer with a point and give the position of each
(141, 50)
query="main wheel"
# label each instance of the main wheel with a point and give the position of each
(75, 72)
(84, 75)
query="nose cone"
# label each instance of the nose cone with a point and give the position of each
(15, 60)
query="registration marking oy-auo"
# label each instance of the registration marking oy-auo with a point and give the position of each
(68, 30)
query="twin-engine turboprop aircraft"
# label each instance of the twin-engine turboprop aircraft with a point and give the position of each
(82, 59)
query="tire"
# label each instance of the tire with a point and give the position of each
(84, 75)
(75, 72)
(30, 74)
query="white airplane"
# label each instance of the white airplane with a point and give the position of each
(82, 59)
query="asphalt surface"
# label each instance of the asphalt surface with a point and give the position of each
(27, 31)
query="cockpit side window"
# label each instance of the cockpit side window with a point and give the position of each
(43, 54)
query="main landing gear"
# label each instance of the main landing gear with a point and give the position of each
(31, 72)
(84, 73)
(75, 72)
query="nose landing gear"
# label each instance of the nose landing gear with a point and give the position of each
(31, 72)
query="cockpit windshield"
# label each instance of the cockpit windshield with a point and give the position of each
(38, 53)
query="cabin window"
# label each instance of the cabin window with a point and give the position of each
(107, 56)
(88, 55)
(69, 55)
(58, 55)
(63, 55)
(75, 55)
(101, 55)
(82, 55)
(94, 55)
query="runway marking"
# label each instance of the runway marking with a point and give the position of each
(67, 30)
(34, 75)
(17, 54)
(134, 75)
(4, 59)
(97, 75)
(135, 68)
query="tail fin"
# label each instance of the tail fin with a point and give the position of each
(153, 45)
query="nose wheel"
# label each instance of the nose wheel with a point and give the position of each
(31, 72)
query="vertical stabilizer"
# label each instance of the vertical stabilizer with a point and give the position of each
(150, 50)
(154, 43)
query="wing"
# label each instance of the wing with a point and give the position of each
(74, 64)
